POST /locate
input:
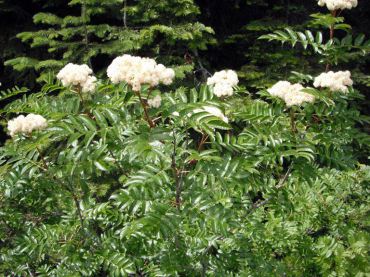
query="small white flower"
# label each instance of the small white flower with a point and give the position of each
(155, 102)
(77, 75)
(335, 81)
(137, 71)
(223, 89)
(280, 89)
(90, 84)
(223, 82)
(292, 94)
(26, 124)
(333, 5)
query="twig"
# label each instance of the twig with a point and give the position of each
(278, 186)
(46, 169)
(202, 142)
(77, 203)
(116, 162)
(331, 31)
(150, 121)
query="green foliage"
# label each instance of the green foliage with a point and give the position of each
(101, 192)
(271, 191)
(5, 94)
(344, 50)
(305, 39)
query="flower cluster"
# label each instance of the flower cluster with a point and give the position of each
(155, 102)
(333, 5)
(213, 111)
(292, 94)
(335, 81)
(223, 82)
(137, 71)
(26, 124)
(77, 75)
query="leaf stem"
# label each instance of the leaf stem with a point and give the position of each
(279, 186)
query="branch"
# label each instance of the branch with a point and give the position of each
(280, 185)
(78, 210)
(331, 31)
(150, 121)
(202, 142)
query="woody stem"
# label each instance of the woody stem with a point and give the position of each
(331, 30)
(150, 121)
(202, 142)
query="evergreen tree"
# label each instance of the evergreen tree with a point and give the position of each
(91, 31)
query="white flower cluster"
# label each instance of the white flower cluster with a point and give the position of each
(77, 75)
(213, 111)
(26, 124)
(155, 102)
(335, 81)
(137, 71)
(292, 94)
(223, 82)
(333, 5)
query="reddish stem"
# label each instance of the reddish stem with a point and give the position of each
(202, 142)
(150, 121)
(334, 14)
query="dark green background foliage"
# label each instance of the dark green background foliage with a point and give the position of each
(100, 193)
(167, 30)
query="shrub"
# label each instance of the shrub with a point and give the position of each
(161, 180)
